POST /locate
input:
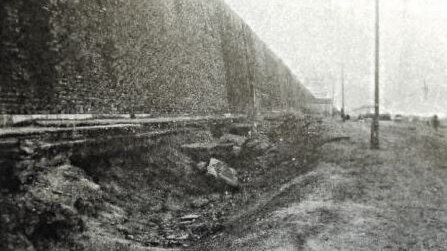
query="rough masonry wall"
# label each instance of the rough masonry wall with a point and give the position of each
(136, 56)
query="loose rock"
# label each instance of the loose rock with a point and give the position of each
(190, 217)
(201, 166)
(223, 172)
(200, 202)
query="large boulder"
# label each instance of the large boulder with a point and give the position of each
(222, 172)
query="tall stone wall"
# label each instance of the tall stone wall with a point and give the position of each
(136, 56)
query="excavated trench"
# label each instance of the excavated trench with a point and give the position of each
(136, 189)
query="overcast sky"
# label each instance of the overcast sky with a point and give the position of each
(317, 37)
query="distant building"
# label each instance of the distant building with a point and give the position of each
(323, 102)
(323, 105)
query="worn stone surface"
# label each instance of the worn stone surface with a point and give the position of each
(146, 56)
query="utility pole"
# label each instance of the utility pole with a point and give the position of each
(375, 124)
(343, 116)
(333, 98)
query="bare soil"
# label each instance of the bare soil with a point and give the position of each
(149, 197)
(355, 198)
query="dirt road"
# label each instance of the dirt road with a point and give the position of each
(356, 198)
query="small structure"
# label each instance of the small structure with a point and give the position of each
(322, 105)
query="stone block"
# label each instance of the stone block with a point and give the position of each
(221, 171)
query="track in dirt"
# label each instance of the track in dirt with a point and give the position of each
(355, 199)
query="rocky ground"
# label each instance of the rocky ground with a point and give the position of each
(355, 198)
(287, 182)
(170, 194)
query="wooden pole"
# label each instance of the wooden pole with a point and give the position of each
(375, 144)
(343, 115)
(333, 97)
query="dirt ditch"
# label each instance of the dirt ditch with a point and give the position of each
(157, 194)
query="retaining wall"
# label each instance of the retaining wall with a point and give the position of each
(139, 56)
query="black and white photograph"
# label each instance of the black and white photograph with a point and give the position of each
(223, 125)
